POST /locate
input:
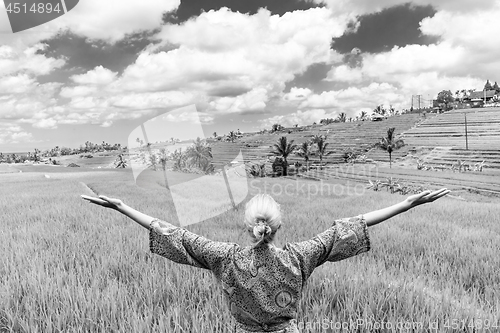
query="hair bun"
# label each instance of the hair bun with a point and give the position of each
(261, 229)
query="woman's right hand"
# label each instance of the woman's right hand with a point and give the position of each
(425, 197)
(104, 201)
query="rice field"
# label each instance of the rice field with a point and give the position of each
(69, 266)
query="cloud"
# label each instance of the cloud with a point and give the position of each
(229, 62)
(97, 76)
(46, 123)
(254, 54)
(27, 60)
(254, 100)
(224, 62)
(113, 19)
(362, 7)
(469, 34)
(351, 100)
(464, 58)
(11, 133)
(25, 101)
(77, 91)
(344, 73)
(297, 94)
(16, 84)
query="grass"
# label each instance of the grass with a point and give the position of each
(69, 266)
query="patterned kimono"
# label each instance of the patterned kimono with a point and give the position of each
(263, 285)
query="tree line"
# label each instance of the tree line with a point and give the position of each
(38, 156)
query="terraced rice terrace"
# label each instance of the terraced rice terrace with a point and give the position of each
(444, 134)
(484, 183)
(448, 130)
(438, 140)
(359, 135)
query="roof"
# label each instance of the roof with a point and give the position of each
(482, 94)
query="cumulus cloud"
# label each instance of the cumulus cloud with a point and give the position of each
(343, 73)
(228, 62)
(256, 54)
(464, 58)
(78, 91)
(45, 123)
(26, 101)
(113, 19)
(11, 133)
(97, 76)
(362, 7)
(297, 94)
(351, 100)
(13, 60)
(225, 62)
(16, 84)
(254, 100)
(470, 35)
(21, 96)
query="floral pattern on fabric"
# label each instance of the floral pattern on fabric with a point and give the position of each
(263, 285)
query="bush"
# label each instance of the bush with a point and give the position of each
(350, 156)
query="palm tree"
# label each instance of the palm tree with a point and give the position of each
(363, 115)
(317, 137)
(199, 153)
(232, 136)
(321, 145)
(283, 148)
(36, 156)
(342, 117)
(390, 143)
(305, 152)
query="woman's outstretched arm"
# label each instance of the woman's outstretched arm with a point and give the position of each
(118, 205)
(381, 215)
(171, 242)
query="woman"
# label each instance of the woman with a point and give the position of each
(262, 284)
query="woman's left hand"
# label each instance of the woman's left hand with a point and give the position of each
(104, 201)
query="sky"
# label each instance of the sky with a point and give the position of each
(103, 68)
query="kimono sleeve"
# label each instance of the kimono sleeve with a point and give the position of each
(185, 247)
(347, 237)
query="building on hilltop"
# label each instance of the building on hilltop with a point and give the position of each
(485, 95)
(479, 98)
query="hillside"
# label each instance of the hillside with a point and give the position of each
(443, 137)
(359, 135)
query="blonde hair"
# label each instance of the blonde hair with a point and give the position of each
(262, 218)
